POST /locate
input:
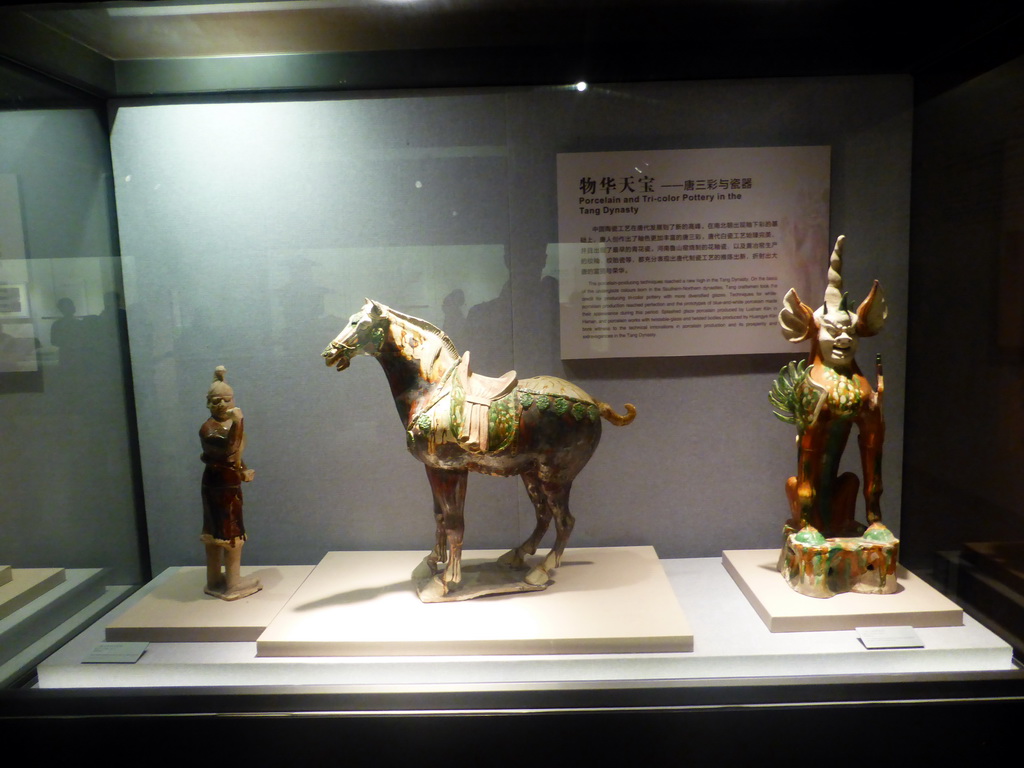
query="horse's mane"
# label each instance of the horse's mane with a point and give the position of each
(423, 325)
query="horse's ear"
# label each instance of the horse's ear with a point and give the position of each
(374, 308)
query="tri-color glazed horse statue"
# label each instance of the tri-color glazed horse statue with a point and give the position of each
(824, 397)
(544, 429)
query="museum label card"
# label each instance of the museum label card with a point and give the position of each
(889, 637)
(116, 653)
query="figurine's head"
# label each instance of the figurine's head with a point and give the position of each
(220, 398)
(833, 326)
(363, 335)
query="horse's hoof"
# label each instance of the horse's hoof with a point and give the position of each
(537, 577)
(442, 585)
(512, 559)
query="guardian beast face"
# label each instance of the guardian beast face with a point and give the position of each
(837, 337)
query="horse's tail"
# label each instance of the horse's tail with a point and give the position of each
(615, 418)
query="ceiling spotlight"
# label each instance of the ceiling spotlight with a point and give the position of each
(581, 86)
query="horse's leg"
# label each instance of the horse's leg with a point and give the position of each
(449, 488)
(439, 554)
(516, 558)
(557, 494)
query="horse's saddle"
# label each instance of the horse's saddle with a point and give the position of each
(480, 393)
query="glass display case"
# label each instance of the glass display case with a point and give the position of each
(218, 198)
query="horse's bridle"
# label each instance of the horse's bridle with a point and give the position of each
(364, 340)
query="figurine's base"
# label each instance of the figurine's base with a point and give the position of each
(246, 587)
(479, 579)
(820, 567)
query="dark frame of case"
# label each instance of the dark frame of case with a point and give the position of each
(952, 715)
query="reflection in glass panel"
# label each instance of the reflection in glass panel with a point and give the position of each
(67, 488)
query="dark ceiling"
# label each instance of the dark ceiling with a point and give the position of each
(140, 48)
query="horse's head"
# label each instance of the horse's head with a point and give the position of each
(363, 335)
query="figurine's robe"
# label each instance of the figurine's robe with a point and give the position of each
(222, 483)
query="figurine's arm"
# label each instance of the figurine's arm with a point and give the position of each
(236, 439)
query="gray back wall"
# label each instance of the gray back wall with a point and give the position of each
(251, 230)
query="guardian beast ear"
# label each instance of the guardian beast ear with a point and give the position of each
(796, 319)
(872, 312)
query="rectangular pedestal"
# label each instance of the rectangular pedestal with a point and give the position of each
(175, 610)
(603, 600)
(25, 585)
(914, 603)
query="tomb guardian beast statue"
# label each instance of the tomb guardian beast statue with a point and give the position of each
(825, 550)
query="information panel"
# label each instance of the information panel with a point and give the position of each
(688, 252)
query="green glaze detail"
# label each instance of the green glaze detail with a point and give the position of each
(809, 536)
(580, 409)
(785, 394)
(808, 398)
(502, 423)
(797, 398)
(844, 396)
(502, 418)
(879, 533)
(424, 422)
(458, 403)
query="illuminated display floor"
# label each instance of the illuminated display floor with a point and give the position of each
(730, 641)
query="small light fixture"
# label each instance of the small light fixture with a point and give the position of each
(581, 86)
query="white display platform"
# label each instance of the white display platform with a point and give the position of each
(914, 604)
(730, 641)
(25, 585)
(177, 610)
(603, 600)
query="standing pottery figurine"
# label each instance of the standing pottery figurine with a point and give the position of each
(223, 439)
(825, 550)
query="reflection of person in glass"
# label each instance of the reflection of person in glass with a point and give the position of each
(223, 439)
(66, 334)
